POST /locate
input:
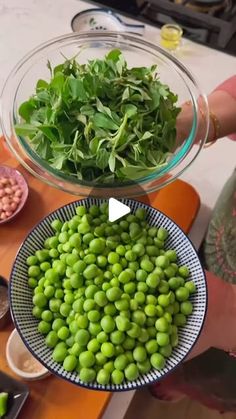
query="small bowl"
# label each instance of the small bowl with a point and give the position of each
(15, 352)
(4, 314)
(10, 172)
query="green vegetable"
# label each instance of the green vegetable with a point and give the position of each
(3, 403)
(109, 305)
(101, 121)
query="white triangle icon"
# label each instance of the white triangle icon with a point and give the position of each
(117, 210)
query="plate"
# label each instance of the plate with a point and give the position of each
(18, 393)
(21, 294)
(102, 19)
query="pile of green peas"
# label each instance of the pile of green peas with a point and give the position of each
(108, 296)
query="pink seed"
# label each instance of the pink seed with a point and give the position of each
(15, 187)
(13, 206)
(7, 207)
(16, 199)
(2, 192)
(18, 192)
(5, 200)
(8, 213)
(3, 216)
(8, 191)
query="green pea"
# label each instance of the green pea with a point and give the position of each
(131, 372)
(182, 294)
(129, 343)
(147, 265)
(121, 362)
(42, 255)
(40, 300)
(162, 325)
(108, 324)
(138, 249)
(90, 271)
(37, 312)
(162, 338)
(121, 305)
(162, 261)
(44, 327)
(157, 361)
(47, 316)
(100, 298)
(140, 354)
(82, 337)
(108, 349)
(109, 366)
(117, 337)
(186, 308)
(51, 339)
(184, 271)
(143, 337)
(34, 271)
(97, 245)
(130, 288)
(171, 255)
(93, 345)
(140, 297)
(86, 359)
(63, 333)
(82, 321)
(191, 287)
(166, 351)
(32, 261)
(32, 282)
(153, 280)
(59, 352)
(144, 367)
(117, 377)
(150, 310)
(180, 319)
(138, 317)
(163, 300)
(87, 375)
(122, 323)
(141, 275)
(151, 346)
(103, 377)
(102, 337)
(113, 294)
(95, 328)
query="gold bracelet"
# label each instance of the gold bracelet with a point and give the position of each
(216, 126)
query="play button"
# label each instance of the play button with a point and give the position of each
(117, 209)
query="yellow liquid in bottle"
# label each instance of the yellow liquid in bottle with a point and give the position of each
(171, 36)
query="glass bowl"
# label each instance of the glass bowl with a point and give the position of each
(21, 83)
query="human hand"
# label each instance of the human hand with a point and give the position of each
(219, 329)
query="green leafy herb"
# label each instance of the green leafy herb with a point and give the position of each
(101, 121)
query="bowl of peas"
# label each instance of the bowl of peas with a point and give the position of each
(109, 306)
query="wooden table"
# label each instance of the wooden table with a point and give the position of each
(54, 398)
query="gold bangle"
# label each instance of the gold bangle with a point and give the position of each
(216, 126)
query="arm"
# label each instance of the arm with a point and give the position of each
(222, 107)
